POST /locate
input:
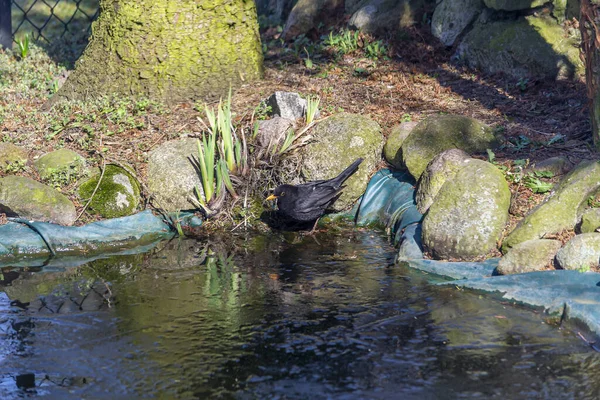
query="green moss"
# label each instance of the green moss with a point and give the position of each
(171, 51)
(60, 167)
(118, 194)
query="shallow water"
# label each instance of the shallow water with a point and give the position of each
(277, 316)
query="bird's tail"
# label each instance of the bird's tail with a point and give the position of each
(341, 178)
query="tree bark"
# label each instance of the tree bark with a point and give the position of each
(589, 24)
(169, 50)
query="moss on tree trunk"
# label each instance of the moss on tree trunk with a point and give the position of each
(170, 50)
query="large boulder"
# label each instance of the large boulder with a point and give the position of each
(29, 199)
(531, 46)
(443, 132)
(307, 14)
(560, 211)
(60, 167)
(336, 142)
(469, 213)
(529, 256)
(451, 17)
(581, 252)
(442, 168)
(392, 150)
(172, 176)
(379, 16)
(12, 158)
(117, 195)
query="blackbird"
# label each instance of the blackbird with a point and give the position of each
(308, 201)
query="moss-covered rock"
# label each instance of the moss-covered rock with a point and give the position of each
(581, 252)
(557, 166)
(336, 143)
(451, 17)
(513, 5)
(590, 220)
(26, 198)
(443, 132)
(469, 213)
(442, 168)
(392, 150)
(379, 16)
(561, 209)
(172, 176)
(12, 158)
(117, 195)
(532, 46)
(529, 256)
(60, 167)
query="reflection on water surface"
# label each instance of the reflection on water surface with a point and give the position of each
(288, 317)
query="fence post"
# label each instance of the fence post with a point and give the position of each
(5, 24)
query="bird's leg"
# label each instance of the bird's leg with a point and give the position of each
(314, 226)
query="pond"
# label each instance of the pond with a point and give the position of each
(280, 316)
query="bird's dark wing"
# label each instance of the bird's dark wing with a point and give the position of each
(315, 197)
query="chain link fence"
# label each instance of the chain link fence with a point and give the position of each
(46, 20)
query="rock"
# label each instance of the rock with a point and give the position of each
(336, 142)
(451, 17)
(12, 158)
(443, 132)
(531, 46)
(60, 167)
(559, 165)
(287, 105)
(590, 220)
(171, 175)
(469, 213)
(581, 252)
(513, 5)
(560, 210)
(528, 256)
(307, 14)
(273, 11)
(442, 168)
(379, 16)
(29, 199)
(117, 196)
(273, 131)
(392, 151)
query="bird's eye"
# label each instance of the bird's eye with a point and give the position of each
(282, 194)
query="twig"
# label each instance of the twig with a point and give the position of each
(95, 189)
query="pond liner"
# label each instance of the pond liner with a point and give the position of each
(389, 203)
(29, 243)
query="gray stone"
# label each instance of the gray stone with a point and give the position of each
(561, 209)
(558, 165)
(451, 17)
(530, 46)
(379, 16)
(336, 142)
(61, 167)
(469, 213)
(12, 158)
(529, 256)
(443, 132)
(581, 252)
(590, 220)
(307, 14)
(442, 168)
(272, 132)
(287, 105)
(392, 151)
(117, 194)
(29, 199)
(171, 175)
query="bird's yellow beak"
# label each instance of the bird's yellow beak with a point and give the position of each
(272, 197)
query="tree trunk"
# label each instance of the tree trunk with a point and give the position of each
(170, 50)
(589, 24)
